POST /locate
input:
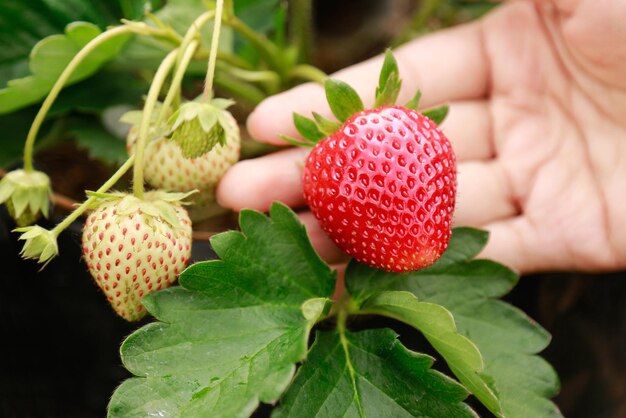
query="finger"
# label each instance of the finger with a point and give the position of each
(513, 242)
(468, 127)
(256, 183)
(520, 244)
(483, 194)
(324, 246)
(448, 65)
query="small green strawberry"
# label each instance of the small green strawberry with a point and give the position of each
(26, 195)
(136, 246)
(197, 126)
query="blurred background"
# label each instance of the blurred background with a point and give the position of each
(59, 335)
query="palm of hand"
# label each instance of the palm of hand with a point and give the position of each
(557, 139)
(535, 93)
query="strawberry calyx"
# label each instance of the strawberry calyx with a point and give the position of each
(344, 102)
(26, 194)
(41, 244)
(198, 126)
(157, 204)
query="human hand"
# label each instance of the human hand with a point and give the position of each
(537, 94)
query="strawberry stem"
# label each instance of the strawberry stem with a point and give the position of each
(176, 80)
(208, 83)
(87, 203)
(153, 94)
(173, 95)
(58, 85)
(128, 27)
(308, 73)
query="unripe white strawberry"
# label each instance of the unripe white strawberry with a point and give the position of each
(166, 166)
(133, 247)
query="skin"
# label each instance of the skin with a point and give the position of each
(537, 95)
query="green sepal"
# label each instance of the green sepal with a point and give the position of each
(307, 128)
(222, 103)
(437, 114)
(295, 142)
(389, 82)
(343, 100)
(414, 103)
(197, 127)
(41, 244)
(26, 194)
(328, 127)
(155, 203)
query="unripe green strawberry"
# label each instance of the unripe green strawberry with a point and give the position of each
(133, 247)
(383, 188)
(166, 167)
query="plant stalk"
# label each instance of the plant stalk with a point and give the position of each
(176, 80)
(300, 28)
(85, 205)
(151, 99)
(308, 73)
(58, 85)
(192, 32)
(215, 38)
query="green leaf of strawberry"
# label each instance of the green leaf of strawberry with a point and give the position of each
(231, 335)
(506, 337)
(437, 325)
(370, 374)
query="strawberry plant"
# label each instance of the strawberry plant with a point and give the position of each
(267, 326)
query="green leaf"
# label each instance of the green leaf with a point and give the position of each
(24, 23)
(389, 82)
(437, 325)
(307, 128)
(370, 374)
(342, 99)
(328, 127)
(507, 339)
(231, 335)
(50, 57)
(258, 14)
(437, 114)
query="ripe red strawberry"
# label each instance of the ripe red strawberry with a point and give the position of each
(133, 247)
(383, 183)
(383, 188)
